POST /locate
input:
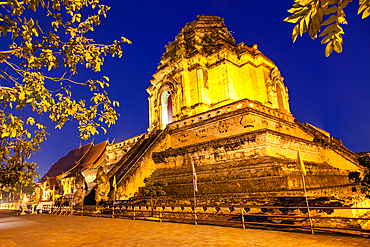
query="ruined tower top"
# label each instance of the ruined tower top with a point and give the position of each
(203, 69)
(206, 35)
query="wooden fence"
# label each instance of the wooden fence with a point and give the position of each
(340, 219)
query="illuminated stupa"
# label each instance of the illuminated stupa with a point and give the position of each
(224, 107)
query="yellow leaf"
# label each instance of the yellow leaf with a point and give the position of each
(338, 29)
(342, 20)
(295, 32)
(327, 30)
(326, 39)
(31, 121)
(337, 46)
(331, 19)
(4, 134)
(330, 10)
(293, 10)
(307, 19)
(304, 2)
(13, 133)
(301, 27)
(293, 20)
(324, 2)
(331, 2)
(345, 3)
(366, 13)
(362, 8)
(22, 96)
(329, 49)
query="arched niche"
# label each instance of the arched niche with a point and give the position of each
(166, 108)
(277, 91)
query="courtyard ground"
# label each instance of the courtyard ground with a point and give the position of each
(52, 230)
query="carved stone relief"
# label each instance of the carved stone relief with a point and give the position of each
(247, 121)
(223, 127)
(102, 186)
(202, 133)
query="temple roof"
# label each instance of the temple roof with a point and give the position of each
(70, 161)
(93, 158)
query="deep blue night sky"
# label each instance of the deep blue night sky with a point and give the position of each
(330, 93)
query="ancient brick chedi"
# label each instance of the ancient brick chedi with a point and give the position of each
(224, 107)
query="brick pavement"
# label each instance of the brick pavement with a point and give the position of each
(52, 230)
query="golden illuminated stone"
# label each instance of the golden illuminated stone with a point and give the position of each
(204, 69)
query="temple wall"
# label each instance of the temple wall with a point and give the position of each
(117, 150)
(143, 168)
(90, 176)
(229, 120)
(204, 83)
(338, 161)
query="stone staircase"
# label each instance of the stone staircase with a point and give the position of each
(127, 161)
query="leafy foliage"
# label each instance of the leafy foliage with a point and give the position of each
(154, 190)
(27, 73)
(309, 16)
(362, 179)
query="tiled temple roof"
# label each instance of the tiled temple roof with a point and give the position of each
(69, 162)
(92, 159)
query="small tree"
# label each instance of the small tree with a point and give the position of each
(154, 190)
(44, 51)
(362, 179)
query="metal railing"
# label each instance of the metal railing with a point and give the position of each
(339, 219)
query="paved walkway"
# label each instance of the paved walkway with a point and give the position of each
(51, 230)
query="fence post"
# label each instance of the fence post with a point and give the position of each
(242, 209)
(160, 214)
(71, 207)
(195, 216)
